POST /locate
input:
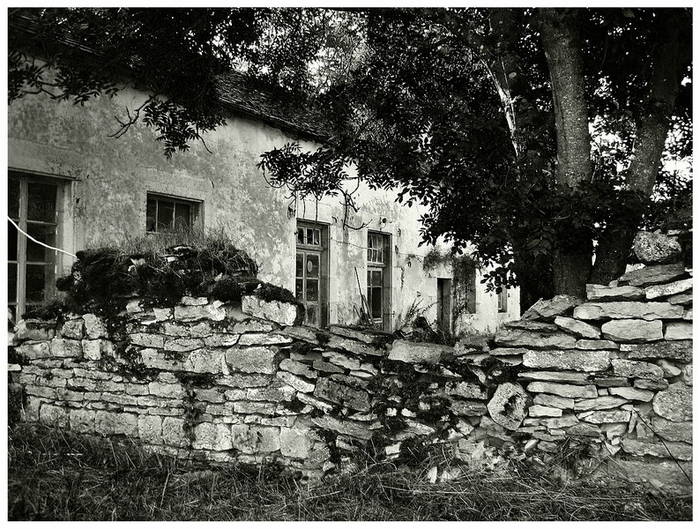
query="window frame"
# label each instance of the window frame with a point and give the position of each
(383, 266)
(61, 184)
(322, 251)
(373, 250)
(196, 211)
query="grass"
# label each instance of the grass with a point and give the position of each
(58, 476)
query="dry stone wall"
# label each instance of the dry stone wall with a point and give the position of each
(611, 375)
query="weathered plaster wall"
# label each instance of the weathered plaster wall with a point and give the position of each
(112, 176)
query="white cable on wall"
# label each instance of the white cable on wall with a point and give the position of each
(39, 242)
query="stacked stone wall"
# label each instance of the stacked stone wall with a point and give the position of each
(212, 381)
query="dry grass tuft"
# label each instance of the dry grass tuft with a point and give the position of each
(57, 476)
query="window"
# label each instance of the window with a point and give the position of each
(503, 300)
(378, 279)
(308, 236)
(375, 287)
(375, 248)
(311, 275)
(168, 214)
(32, 205)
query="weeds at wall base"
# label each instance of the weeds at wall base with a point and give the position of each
(83, 472)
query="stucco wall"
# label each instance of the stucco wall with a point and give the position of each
(110, 179)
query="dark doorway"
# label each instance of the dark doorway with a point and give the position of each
(444, 304)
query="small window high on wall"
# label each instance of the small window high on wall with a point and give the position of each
(166, 214)
(32, 268)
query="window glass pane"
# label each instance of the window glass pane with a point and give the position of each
(317, 237)
(151, 214)
(309, 236)
(11, 242)
(300, 265)
(312, 261)
(12, 282)
(45, 234)
(36, 282)
(41, 202)
(165, 215)
(183, 218)
(300, 289)
(312, 290)
(375, 279)
(311, 315)
(376, 303)
(13, 198)
(300, 236)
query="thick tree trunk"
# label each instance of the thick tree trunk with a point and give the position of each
(616, 242)
(572, 259)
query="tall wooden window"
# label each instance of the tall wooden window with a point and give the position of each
(311, 275)
(168, 214)
(32, 205)
(379, 279)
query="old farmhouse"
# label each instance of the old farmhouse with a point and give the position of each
(73, 186)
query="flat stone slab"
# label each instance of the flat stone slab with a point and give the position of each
(605, 402)
(632, 393)
(532, 325)
(619, 310)
(685, 299)
(419, 352)
(579, 328)
(669, 450)
(571, 377)
(563, 390)
(653, 275)
(595, 345)
(545, 309)
(544, 411)
(606, 293)
(523, 338)
(349, 428)
(574, 360)
(605, 416)
(633, 330)
(636, 369)
(681, 350)
(652, 384)
(678, 330)
(554, 401)
(668, 289)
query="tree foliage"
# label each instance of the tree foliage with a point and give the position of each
(454, 108)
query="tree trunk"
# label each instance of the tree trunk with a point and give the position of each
(534, 273)
(572, 258)
(616, 242)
